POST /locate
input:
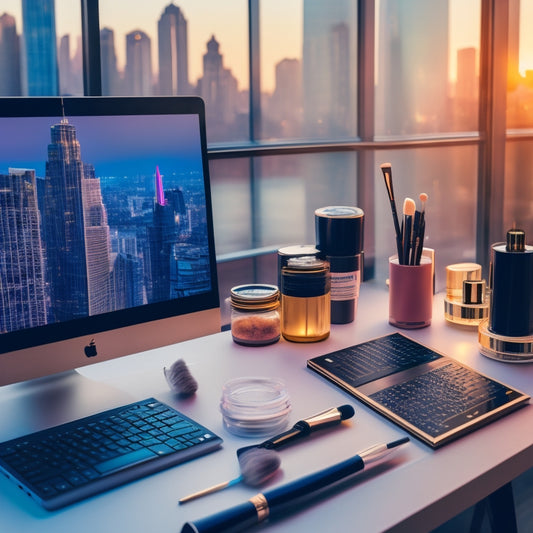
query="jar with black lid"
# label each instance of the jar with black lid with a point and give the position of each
(255, 316)
(305, 299)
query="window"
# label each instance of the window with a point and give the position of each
(305, 99)
(40, 48)
(166, 48)
(518, 187)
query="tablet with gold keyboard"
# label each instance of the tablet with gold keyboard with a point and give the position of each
(433, 396)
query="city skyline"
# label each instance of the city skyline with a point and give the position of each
(83, 244)
(281, 37)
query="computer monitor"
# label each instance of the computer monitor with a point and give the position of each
(106, 230)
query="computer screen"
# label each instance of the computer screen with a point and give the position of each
(106, 230)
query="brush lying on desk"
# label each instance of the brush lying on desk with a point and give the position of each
(257, 466)
(303, 428)
(259, 461)
(276, 501)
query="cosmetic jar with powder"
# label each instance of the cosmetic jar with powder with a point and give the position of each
(255, 316)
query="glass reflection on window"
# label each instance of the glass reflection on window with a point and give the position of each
(185, 47)
(40, 48)
(427, 64)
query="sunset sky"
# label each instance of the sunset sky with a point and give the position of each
(281, 29)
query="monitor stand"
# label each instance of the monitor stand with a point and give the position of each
(44, 402)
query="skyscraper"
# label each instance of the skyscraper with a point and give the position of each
(412, 91)
(328, 67)
(110, 76)
(97, 244)
(163, 236)
(138, 74)
(39, 58)
(173, 52)
(9, 57)
(218, 87)
(286, 102)
(22, 284)
(64, 227)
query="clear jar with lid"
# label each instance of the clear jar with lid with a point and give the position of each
(255, 316)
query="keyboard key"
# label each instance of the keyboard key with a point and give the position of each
(125, 460)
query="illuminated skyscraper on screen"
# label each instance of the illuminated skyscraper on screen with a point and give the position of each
(163, 235)
(64, 224)
(22, 284)
(97, 244)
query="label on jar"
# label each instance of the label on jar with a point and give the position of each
(345, 285)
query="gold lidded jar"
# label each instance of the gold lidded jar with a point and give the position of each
(255, 315)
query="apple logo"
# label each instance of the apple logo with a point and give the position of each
(90, 349)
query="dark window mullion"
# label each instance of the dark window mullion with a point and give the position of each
(90, 32)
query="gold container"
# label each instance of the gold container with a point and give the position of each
(305, 300)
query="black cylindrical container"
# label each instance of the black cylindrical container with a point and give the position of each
(339, 239)
(511, 283)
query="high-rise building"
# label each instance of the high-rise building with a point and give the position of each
(64, 228)
(138, 75)
(285, 107)
(127, 286)
(173, 52)
(110, 75)
(9, 57)
(328, 67)
(163, 235)
(97, 244)
(412, 91)
(39, 58)
(218, 87)
(22, 283)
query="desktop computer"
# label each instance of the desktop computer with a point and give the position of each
(106, 242)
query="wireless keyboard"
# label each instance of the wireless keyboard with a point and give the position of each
(73, 461)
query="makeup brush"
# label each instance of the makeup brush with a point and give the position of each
(257, 466)
(421, 227)
(386, 168)
(180, 379)
(278, 501)
(409, 208)
(303, 428)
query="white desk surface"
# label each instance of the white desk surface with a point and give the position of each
(420, 488)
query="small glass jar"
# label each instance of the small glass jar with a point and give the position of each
(255, 316)
(305, 300)
(255, 406)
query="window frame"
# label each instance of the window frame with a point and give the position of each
(490, 138)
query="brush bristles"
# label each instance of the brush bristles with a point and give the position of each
(409, 207)
(385, 166)
(423, 197)
(257, 465)
(180, 379)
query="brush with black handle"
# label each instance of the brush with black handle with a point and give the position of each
(274, 502)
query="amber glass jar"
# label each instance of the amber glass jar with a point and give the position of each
(305, 300)
(255, 317)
